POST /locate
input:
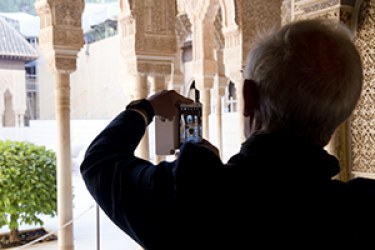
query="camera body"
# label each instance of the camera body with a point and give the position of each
(186, 126)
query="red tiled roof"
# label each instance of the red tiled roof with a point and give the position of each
(13, 45)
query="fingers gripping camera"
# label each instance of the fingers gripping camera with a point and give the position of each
(185, 127)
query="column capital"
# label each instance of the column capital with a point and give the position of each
(204, 82)
(236, 77)
(61, 35)
(149, 67)
(204, 67)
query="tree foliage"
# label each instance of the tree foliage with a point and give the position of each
(27, 183)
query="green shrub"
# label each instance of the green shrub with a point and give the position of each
(27, 184)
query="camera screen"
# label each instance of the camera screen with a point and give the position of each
(190, 126)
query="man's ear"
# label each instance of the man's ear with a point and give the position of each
(250, 97)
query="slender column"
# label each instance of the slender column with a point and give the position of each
(241, 119)
(219, 91)
(148, 44)
(64, 171)
(60, 39)
(206, 100)
(204, 66)
(140, 92)
(157, 82)
(219, 126)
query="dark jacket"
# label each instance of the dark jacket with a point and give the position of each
(277, 191)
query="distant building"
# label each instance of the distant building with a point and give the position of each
(16, 104)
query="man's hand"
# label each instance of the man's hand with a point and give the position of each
(165, 103)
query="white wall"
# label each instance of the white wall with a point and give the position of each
(97, 89)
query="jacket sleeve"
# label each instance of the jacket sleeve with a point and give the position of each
(135, 194)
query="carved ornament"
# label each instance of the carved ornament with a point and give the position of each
(256, 16)
(149, 68)
(363, 119)
(155, 43)
(61, 35)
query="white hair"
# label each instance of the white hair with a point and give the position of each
(308, 77)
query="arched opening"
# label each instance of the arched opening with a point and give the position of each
(230, 99)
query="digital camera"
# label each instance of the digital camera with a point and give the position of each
(185, 127)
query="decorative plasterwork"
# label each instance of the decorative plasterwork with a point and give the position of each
(61, 35)
(326, 9)
(155, 45)
(219, 36)
(183, 28)
(252, 17)
(363, 119)
(145, 67)
(147, 31)
(312, 6)
(257, 16)
(228, 12)
(151, 23)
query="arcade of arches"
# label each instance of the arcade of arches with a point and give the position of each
(152, 35)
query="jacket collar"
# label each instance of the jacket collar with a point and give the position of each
(282, 148)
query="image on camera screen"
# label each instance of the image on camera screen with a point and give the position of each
(190, 127)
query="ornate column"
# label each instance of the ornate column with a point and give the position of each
(339, 144)
(140, 91)
(218, 92)
(61, 38)
(204, 67)
(148, 44)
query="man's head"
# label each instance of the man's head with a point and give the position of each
(305, 78)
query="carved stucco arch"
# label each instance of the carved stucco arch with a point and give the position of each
(6, 85)
(228, 11)
(191, 82)
(126, 7)
(12, 80)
